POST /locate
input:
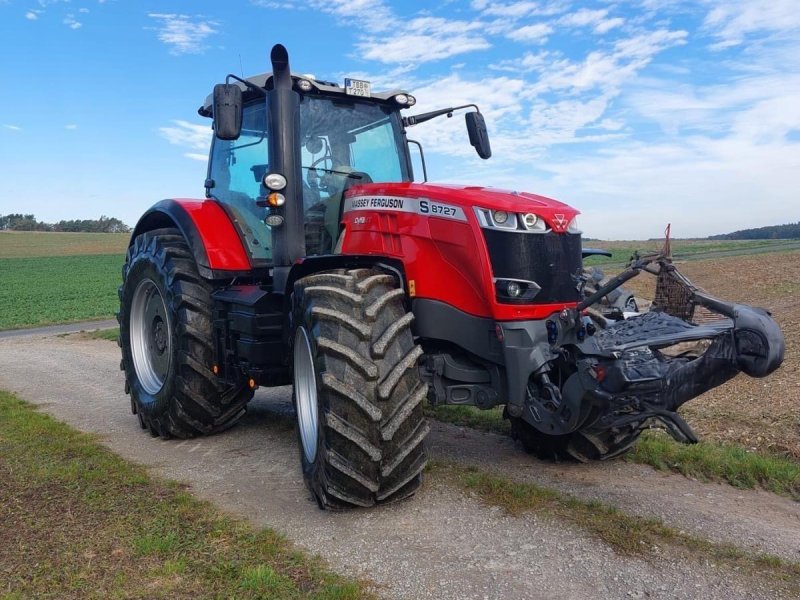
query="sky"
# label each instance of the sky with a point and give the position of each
(638, 113)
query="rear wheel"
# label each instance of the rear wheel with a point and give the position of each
(357, 390)
(166, 335)
(584, 445)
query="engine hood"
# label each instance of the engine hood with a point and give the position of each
(557, 214)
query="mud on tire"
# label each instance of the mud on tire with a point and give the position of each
(177, 332)
(364, 444)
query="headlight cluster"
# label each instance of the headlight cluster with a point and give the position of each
(515, 291)
(523, 222)
(405, 99)
(501, 219)
(275, 183)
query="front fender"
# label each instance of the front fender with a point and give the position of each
(208, 231)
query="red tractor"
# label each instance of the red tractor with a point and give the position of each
(315, 260)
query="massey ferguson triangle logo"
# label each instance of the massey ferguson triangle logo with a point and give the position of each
(560, 221)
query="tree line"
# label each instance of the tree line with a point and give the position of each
(21, 222)
(790, 231)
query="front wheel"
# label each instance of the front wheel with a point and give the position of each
(357, 390)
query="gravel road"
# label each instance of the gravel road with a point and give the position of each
(440, 544)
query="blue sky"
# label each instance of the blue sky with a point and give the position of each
(638, 113)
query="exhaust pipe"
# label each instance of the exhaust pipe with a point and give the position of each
(288, 240)
(281, 77)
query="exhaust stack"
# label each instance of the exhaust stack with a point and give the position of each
(284, 158)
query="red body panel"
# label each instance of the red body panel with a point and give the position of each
(445, 258)
(218, 235)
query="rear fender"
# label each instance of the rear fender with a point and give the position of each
(207, 229)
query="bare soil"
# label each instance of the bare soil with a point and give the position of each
(761, 414)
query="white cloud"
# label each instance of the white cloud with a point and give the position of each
(733, 20)
(583, 17)
(517, 10)
(418, 48)
(71, 22)
(527, 62)
(70, 126)
(83, 10)
(369, 15)
(425, 39)
(32, 15)
(608, 70)
(192, 136)
(12, 127)
(607, 25)
(183, 33)
(536, 33)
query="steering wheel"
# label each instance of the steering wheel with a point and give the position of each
(312, 177)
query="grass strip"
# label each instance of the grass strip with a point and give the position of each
(628, 535)
(719, 462)
(81, 522)
(707, 461)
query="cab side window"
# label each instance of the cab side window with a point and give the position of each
(237, 168)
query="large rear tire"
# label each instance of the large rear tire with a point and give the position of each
(166, 340)
(357, 390)
(584, 445)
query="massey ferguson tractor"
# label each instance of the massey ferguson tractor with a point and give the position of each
(316, 260)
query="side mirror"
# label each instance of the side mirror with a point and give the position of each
(478, 136)
(227, 111)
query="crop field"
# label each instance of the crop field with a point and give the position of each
(58, 277)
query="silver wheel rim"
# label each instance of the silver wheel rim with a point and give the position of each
(151, 336)
(305, 393)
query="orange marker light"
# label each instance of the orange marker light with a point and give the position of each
(252, 383)
(215, 368)
(276, 199)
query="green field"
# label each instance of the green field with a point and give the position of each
(59, 277)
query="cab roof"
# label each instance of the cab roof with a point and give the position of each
(264, 81)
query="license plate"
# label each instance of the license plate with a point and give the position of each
(356, 87)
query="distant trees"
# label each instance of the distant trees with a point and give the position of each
(790, 231)
(21, 222)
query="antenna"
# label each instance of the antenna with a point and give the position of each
(241, 68)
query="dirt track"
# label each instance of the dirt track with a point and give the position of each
(440, 544)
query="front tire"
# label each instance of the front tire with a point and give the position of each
(166, 340)
(357, 391)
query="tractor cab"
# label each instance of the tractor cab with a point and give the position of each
(336, 138)
(344, 140)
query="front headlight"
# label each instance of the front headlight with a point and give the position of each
(573, 226)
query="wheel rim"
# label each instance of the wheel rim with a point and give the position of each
(151, 336)
(305, 392)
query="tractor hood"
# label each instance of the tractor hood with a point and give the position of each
(557, 214)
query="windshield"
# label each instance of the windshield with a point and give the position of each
(344, 143)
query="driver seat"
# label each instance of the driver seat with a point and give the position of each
(333, 209)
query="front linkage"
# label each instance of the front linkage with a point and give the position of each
(620, 377)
